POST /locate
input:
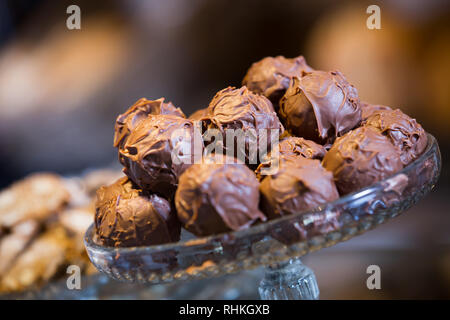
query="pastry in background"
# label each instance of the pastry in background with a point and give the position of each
(12, 244)
(94, 179)
(45, 195)
(39, 263)
(59, 226)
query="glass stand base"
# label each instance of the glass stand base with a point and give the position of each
(290, 280)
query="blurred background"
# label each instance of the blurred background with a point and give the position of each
(61, 90)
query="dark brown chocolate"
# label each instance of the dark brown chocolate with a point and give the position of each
(298, 185)
(320, 106)
(369, 109)
(271, 76)
(215, 197)
(127, 216)
(404, 132)
(360, 158)
(240, 109)
(148, 154)
(129, 120)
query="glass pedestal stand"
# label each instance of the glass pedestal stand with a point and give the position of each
(290, 280)
(276, 244)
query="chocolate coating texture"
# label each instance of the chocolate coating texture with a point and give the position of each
(404, 132)
(154, 152)
(215, 197)
(293, 148)
(360, 158)
(199, 114)
(320, 106)
(127, 216)
(234, 109)
(129, 120)
(369, 109)
(271, 76)
(297, 186)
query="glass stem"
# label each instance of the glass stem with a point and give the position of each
(289, 280)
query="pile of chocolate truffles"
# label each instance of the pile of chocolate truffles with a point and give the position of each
(330, 144)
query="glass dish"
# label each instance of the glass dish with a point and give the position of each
(276, 244)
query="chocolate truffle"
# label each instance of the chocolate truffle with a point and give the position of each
(292, 148)
(360, 158)
(127, 216)
(320, 106)
(271, 76)
(404, 132)
(369, 109)
(127, 121)
(218, 196)
(301, 147)
(158, 150)
(298, 185)
(235, 109)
